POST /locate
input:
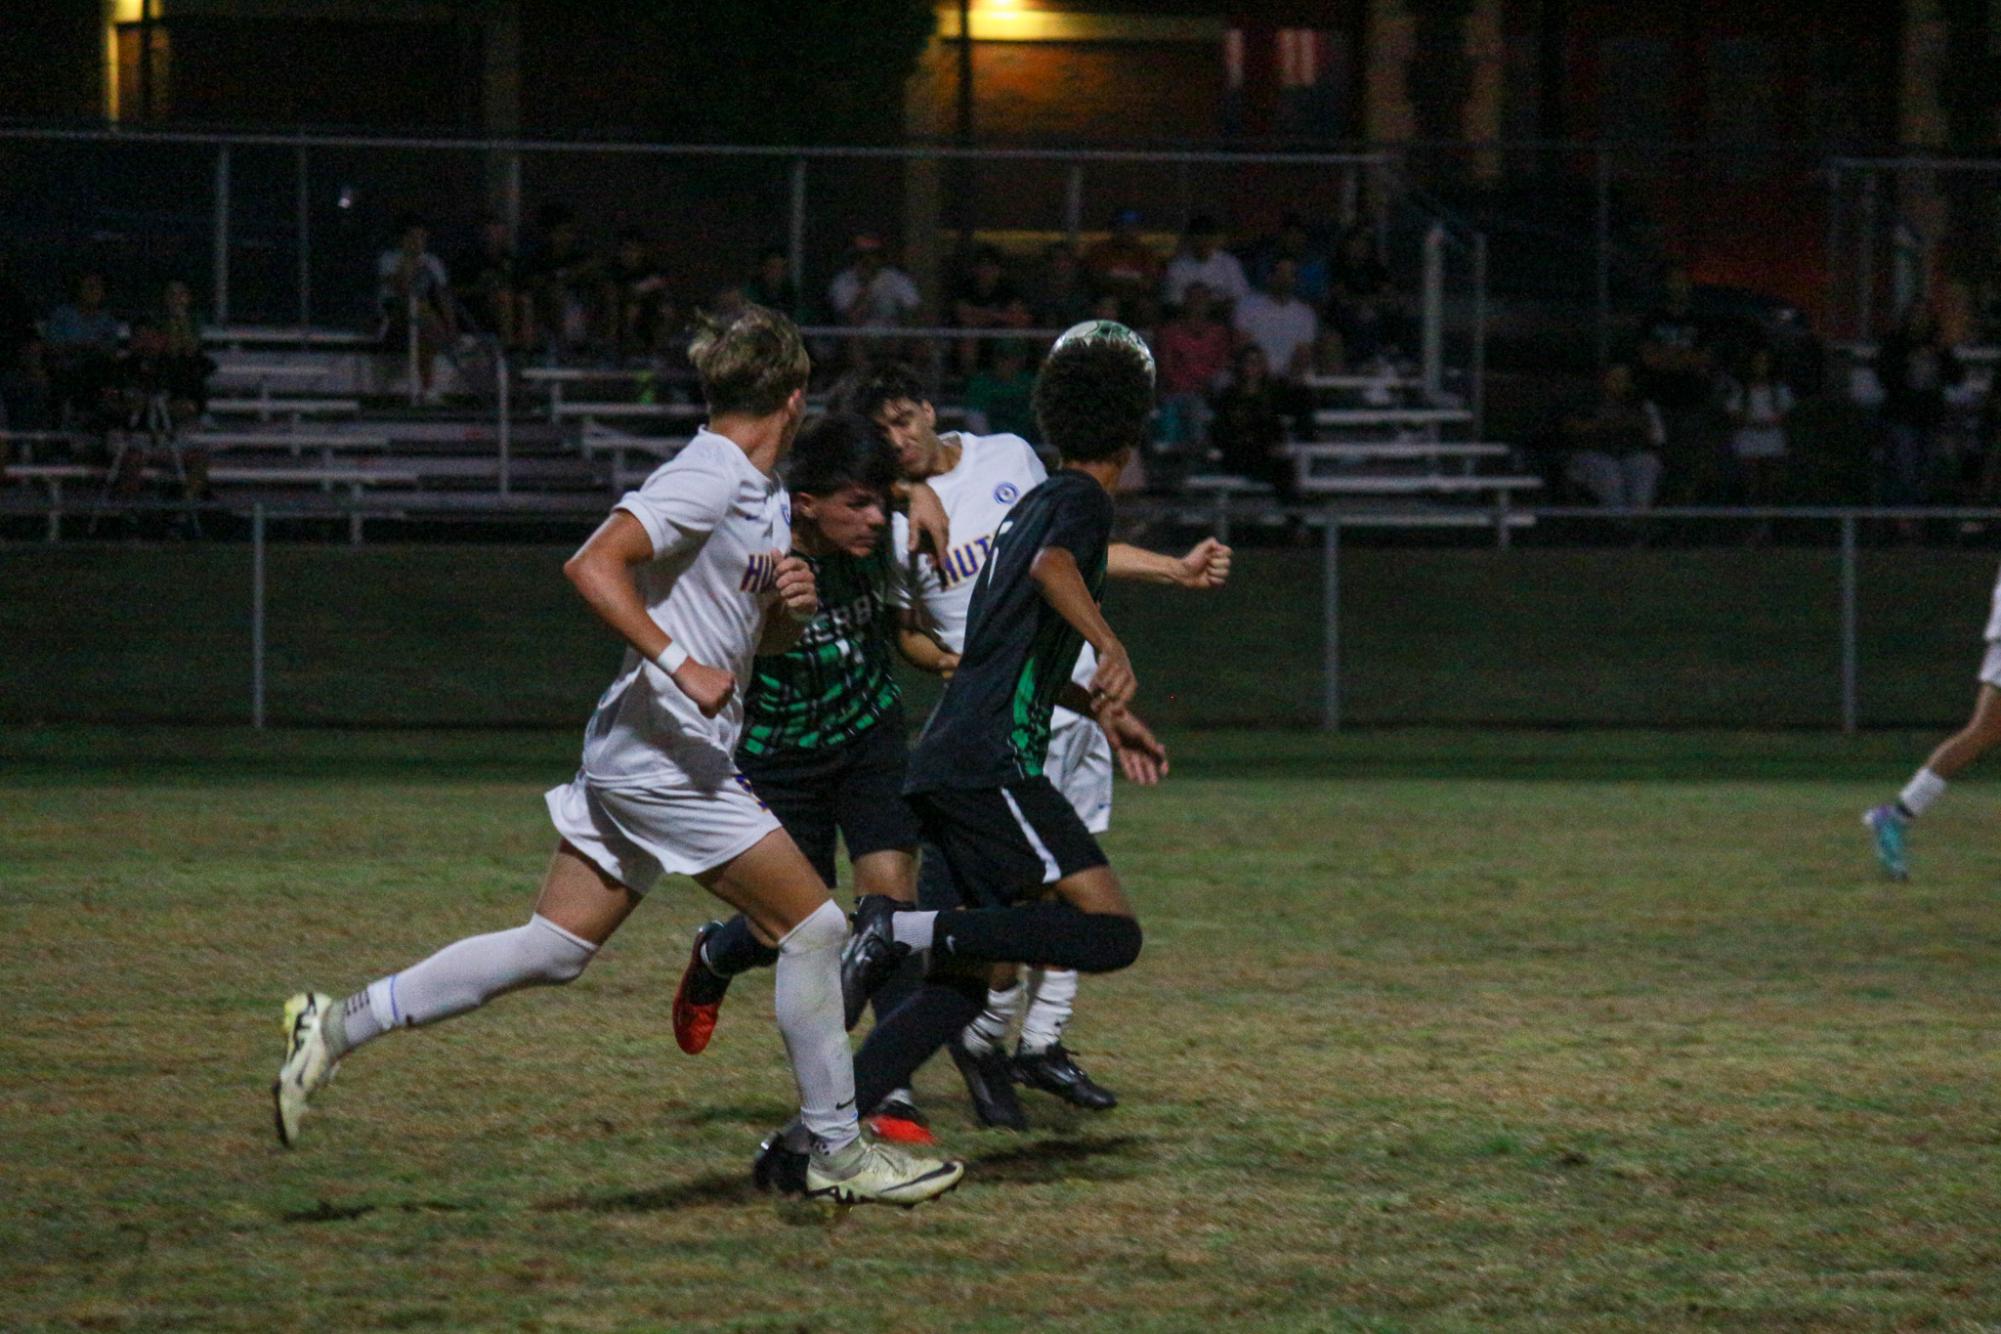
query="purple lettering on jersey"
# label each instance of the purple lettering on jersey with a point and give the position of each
(962, 563)
(760, 574)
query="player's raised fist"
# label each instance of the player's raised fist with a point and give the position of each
(710, 687)
(1207, 565)
(797, 591)
(1114, 681)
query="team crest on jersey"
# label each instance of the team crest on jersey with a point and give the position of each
(1006, 493)
(760, 573)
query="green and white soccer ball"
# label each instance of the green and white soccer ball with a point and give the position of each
(1106, 331)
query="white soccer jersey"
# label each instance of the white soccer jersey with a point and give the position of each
(718, 527)
(1994, 615)
(994, 471)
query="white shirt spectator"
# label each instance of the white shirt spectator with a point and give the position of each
(428, 281)
(1285, 327)
(1221, 271)
(1764, 408)
(892, 297)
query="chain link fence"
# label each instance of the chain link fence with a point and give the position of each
(1586, 620)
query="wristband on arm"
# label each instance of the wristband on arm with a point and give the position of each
(670, 658)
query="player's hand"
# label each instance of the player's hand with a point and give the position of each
(930, 530)
(1113, 682)
(1207, 565)
(798, 593)
(710, 687)
(948, 663)
(1142, 759)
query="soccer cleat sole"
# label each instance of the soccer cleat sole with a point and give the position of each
(694, 1025)
(900, 1130)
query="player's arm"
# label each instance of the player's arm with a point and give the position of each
(798, 602)
(923, 650)
(602, 573)
(1207, 565)
(930, 530)
(1056, 576)
(1142, 758)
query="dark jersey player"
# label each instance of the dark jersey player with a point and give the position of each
(1033, 885)
(823, 744)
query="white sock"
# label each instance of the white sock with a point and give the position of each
(1918, 795)
(807, 995)
(1052, 996)
(914, 928)
(989, 1028)
(461, 977)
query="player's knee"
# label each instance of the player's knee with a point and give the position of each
(825, 928)
(554, 956)
(1119, 942)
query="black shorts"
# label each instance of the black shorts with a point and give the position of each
(991, 847)
(854, 790)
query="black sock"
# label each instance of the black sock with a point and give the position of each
(897, 1045)
(734, 949)
(902, 985)
(1053, 935)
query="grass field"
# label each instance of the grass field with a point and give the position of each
(1433, 1030)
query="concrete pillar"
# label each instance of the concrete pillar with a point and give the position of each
(500, 93)
(1487, 54)
(930, 115)
(1922, 124)
(1387, 115)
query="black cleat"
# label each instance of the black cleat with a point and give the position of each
(779, 1170)
(1053, 1071)
(871, 956)
(992, 1088)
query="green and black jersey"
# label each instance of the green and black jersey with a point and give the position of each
(836, 683)
(992, 727)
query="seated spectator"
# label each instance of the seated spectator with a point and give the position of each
(81, 341)
(1193, 353)
(414, 290)
(1123, 265)
(489, 284)
(1248, 429)
(1361, 298)
(1061, 295)
(637, 300)
(24, 381)
(558, 280)
(1203, 259)
(156, 390)
(1294, 243)
(871, 293)
(1280, 323)
(985, 298)
(1677, 373)
(773, 285)
(999, 394)
(184, 368)
(1758, 405)
(1616, 446)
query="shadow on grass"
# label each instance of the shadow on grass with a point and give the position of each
(326, 1212)
(762, 1114)
(1040, 1161)
(711, 1188)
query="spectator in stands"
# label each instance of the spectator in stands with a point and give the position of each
(984, 297)
(184, 368)
(489, 284)
(1278, 321)
(1758, 404)
(24, 381)
(1123, 265)
(1312, 273)
(1203, 259)
(774, 287)
(638, 303)
(871, 293)
(1193, 350)
(153, 375)
(81, 339)
(1361, 299)
(1677, 374)
(1916, 367)
(1616, 445)
(559, 280)
(999, 394)
(1061, 295)
(1248, 429)
(414, 292)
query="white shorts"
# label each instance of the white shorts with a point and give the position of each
(1990, 666)
(1080, 765)
(636, 835)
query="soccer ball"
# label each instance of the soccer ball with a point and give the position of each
(1110, 331)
